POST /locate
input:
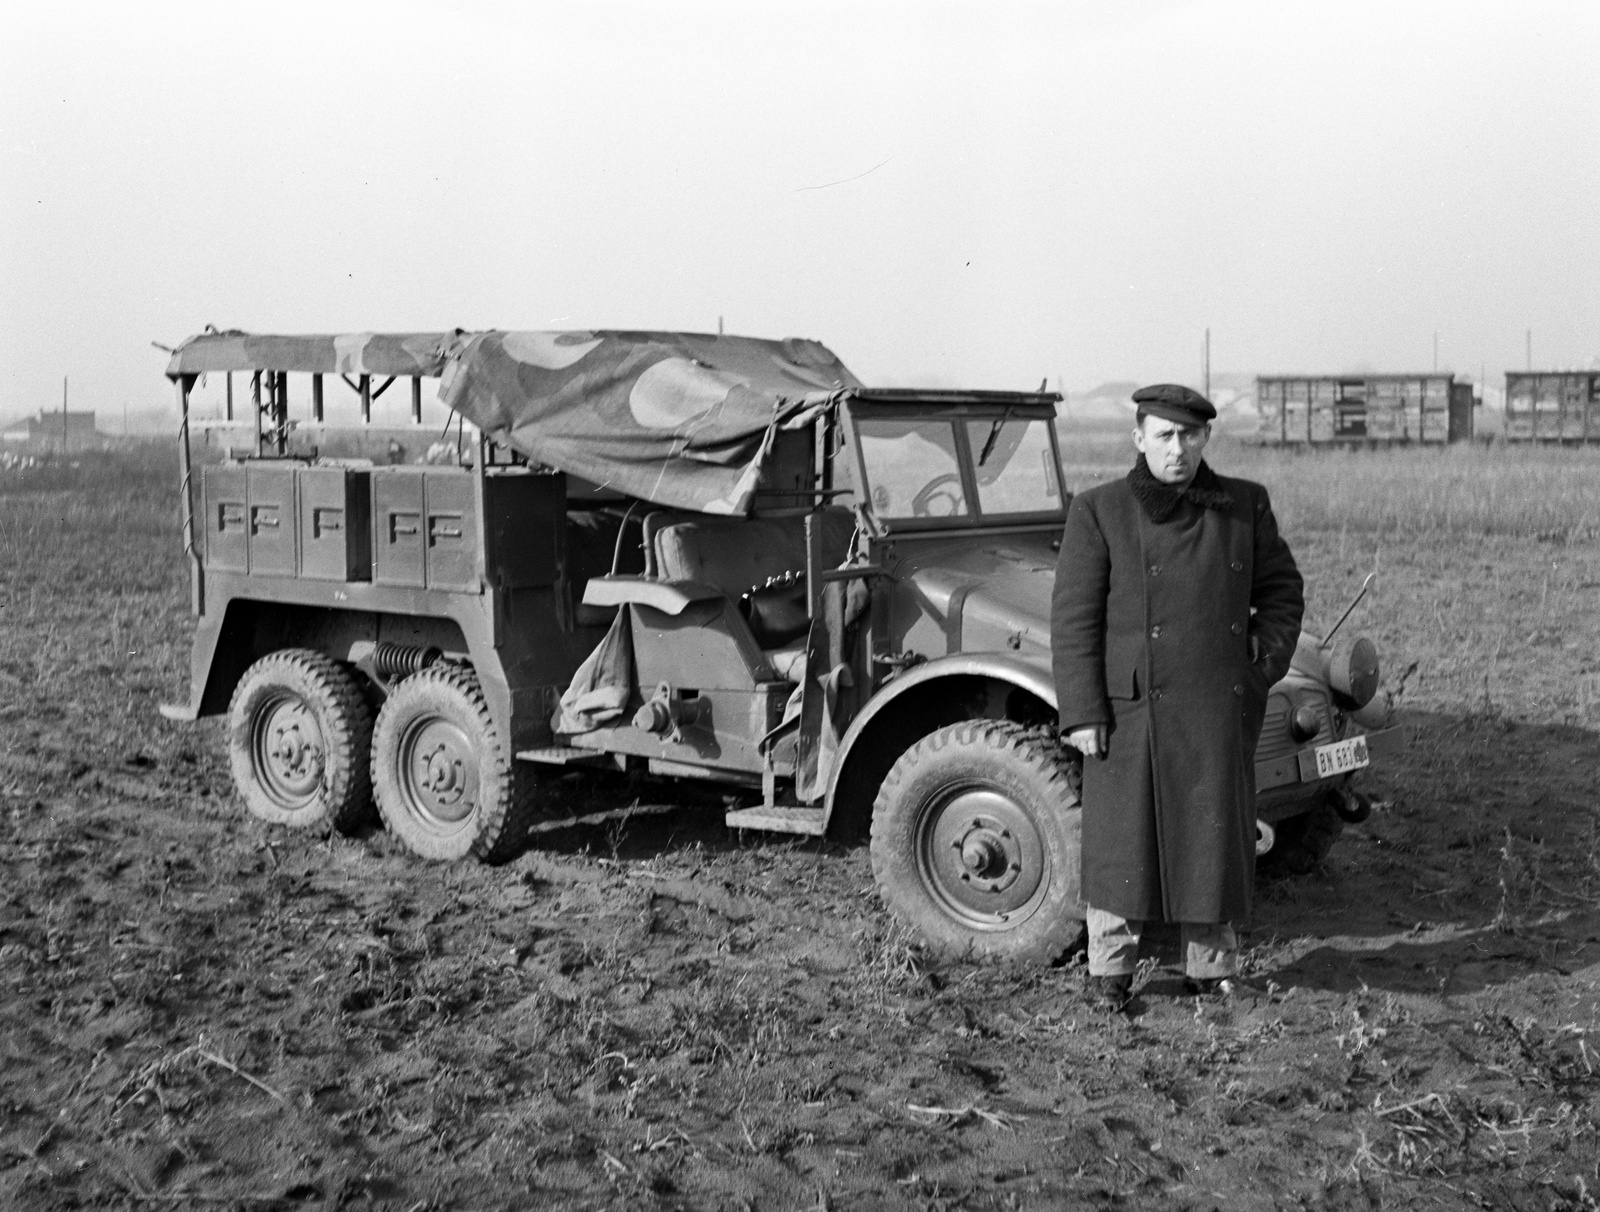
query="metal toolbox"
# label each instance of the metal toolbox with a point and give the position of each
(425, 528)
(335, 527)
(269, 518)
(227, 539)
(450, 505)
(397, 548)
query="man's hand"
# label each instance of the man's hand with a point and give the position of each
(1090, 741)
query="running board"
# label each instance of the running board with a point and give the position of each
(810, 821)
(565, 755)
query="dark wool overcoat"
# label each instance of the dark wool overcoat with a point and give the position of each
(1151, 630)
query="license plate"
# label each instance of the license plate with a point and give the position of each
(1342, 757)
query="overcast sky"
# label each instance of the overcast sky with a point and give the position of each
(945, 194)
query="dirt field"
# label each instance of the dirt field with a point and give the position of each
(200, 1011)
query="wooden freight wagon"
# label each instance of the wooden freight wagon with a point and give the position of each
(1330, 409)
(1553, 406)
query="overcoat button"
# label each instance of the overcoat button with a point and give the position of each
(1238, 629)
(1238, 690)
(1155, 570)
(1237, 566)
(1155, 694)
(1155, 632)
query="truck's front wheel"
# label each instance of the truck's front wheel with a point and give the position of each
(298, 733)
(1303, 841)
(975, 843)
(445, 780)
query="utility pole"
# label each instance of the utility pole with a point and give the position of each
(63, 414)
(719, 326)
(1207, 392)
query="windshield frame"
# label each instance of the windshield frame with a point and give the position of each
(957, 415)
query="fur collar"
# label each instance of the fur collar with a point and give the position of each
(1161, 501)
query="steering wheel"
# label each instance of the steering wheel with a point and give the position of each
(934, 490)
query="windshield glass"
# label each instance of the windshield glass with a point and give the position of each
(912, 469)
(1015, 465)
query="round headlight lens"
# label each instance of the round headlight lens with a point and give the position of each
(1305, 723)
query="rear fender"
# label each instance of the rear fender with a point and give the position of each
(230, 639)
(939, 692)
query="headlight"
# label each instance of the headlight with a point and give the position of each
(1305, 723)
(1352, 665)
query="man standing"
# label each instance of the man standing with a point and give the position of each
(1177, 606)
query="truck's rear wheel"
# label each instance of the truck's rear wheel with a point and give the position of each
(445, 780)
(975, 843)
(298, 734)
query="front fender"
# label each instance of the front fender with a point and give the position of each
(882, 709)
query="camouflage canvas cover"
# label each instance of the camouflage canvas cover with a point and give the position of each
(681, 419)
(356, 353)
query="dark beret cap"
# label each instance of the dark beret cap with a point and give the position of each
(1174, 402)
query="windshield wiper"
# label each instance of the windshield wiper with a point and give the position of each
(994, 435)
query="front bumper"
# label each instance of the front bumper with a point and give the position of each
(1285, 775)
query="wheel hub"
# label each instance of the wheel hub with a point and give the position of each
(289, 751)
(442, 775)
(986, 854)
(982, 857)
(439, 771)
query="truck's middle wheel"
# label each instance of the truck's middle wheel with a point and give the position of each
(975, 843)
(445, 781)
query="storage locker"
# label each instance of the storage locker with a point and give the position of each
(335, 523)
(227, 541)
(269, 490)
(452, 529)
(397, 527)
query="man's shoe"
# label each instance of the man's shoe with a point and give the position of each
(1109, 992)
(1225, 987)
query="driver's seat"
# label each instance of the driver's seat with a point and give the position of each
(736, 555)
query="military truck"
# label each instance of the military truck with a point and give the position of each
(697, 557)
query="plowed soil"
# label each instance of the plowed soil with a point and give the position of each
(644, 1010)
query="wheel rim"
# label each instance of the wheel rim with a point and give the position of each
(288, 751)
(982, 857)
(438, 773)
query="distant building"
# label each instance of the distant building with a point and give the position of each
(1329, 409)
(45, 432)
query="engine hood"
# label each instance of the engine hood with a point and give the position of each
(977, 595)
(985, 596)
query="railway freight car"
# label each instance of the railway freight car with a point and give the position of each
(1330, 409)
(1553, 405)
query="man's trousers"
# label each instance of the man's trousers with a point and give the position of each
(1210, 949)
